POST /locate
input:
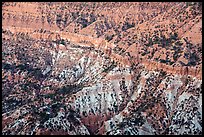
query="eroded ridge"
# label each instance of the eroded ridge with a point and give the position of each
(92, 68)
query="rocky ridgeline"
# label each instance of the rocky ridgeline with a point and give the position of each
(182, 60)
(108, 49)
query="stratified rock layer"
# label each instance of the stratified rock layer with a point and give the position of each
(92, 68)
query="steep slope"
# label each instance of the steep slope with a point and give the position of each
(101, 68)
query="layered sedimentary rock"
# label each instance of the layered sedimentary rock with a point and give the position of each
(101, 68)
(108, 49)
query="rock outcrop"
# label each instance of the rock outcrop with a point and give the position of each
(101, 68)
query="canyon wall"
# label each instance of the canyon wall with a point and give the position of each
(107, 48)
(62, 73)
(28, 20)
